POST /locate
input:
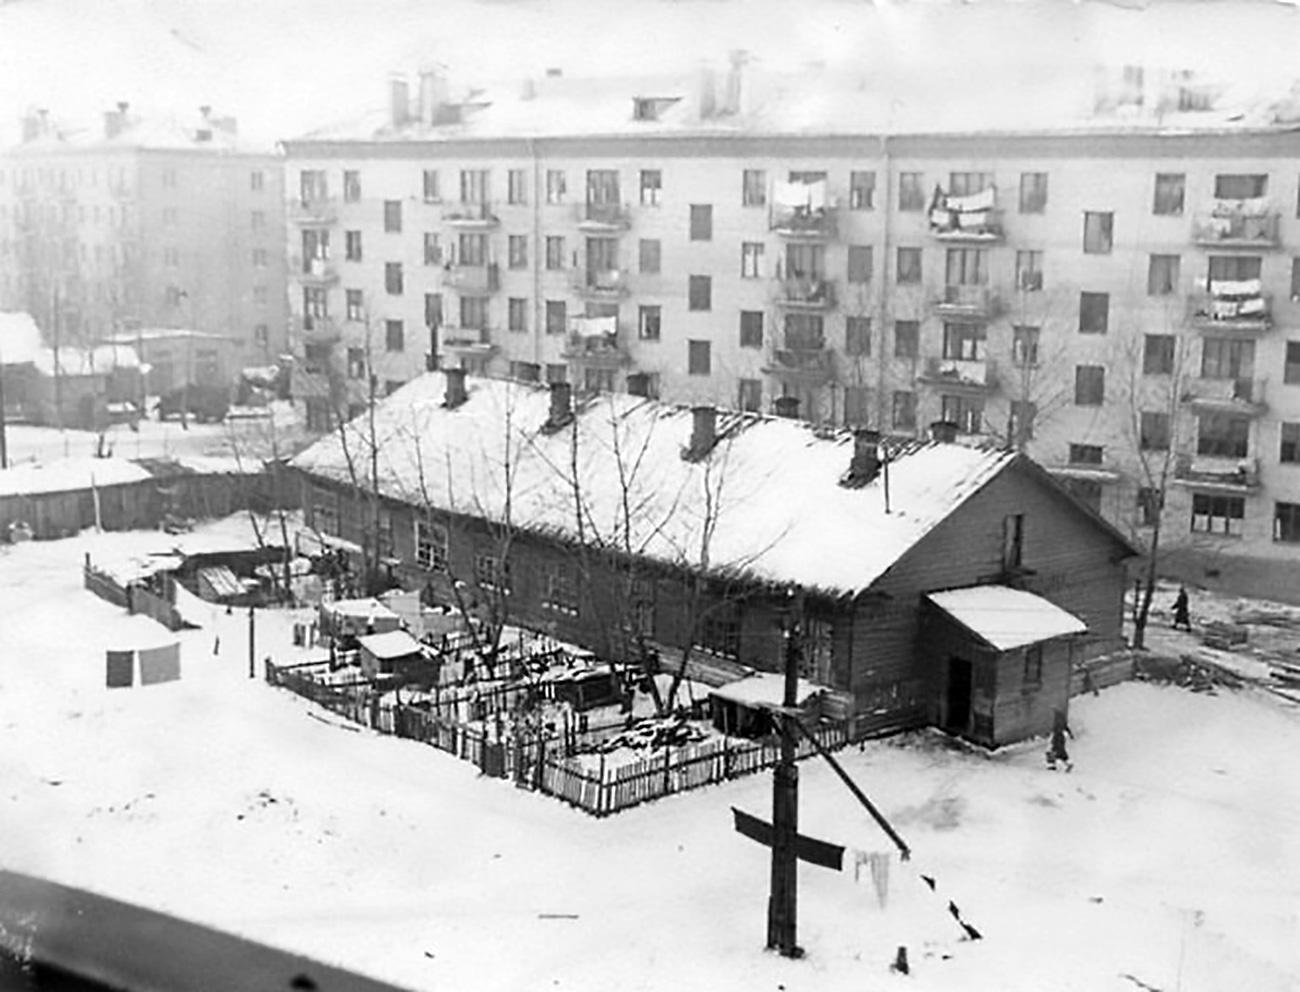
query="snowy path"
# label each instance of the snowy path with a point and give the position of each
(1171, 854)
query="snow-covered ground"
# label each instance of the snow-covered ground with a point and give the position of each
(1169, 858)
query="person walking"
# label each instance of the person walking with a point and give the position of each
(1182, 617)
(1057, 752)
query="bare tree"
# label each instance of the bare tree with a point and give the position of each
(1039, 383)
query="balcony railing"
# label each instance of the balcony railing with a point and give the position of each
(978, 375)
(317, 272)
(812, 362)
(472, 278)
(322, 210)
(470, 216)
(1236, 475)
(1233, 307)
(976, 217)
(599, 282)
(969, 302)
(1237, 224)
(592, 344)
(319, 330)
(603, 217)
(1244, 396)
(806, 293)
(467, 342)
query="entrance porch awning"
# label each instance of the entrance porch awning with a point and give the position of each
(1006, 618)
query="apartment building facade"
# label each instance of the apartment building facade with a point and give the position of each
(145, 223)
(1120, 302)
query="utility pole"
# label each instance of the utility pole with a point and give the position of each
(252, 649)
(783, 897)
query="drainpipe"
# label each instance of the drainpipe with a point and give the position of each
(883, 309)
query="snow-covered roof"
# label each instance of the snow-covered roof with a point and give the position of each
(20, 338)
(368, 608)
(394, 644)
(767, 495)
(765, 689)
(1007, 618)
(67, 474)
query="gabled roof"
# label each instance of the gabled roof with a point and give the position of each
(765, 504)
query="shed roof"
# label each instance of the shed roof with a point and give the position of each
(394, 644)
(765, 689)
(1007, 618)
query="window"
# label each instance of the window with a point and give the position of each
(393, 278)
(474, 313)
(1162, 275)
(472, 249)
(862, 190)
(967, 267)
(909, 266)
(648, 322)
(394, 336)
(652, 187)
(753, 188)
(432, 249)
(1086, 454)
(1240, 187)
(352, 246)
(356, 363)
(1227, 358)
(351, 185)
(1295, 279)
(262, 335)
(1024, 344)
(860, 259)
(260, 258)
(1094, 313)
(517, 187)
(557, 316)
(857, 405)
(1217, 514)
(474, 186)
(1170, 190)
(492, 574)
(751, 260)
(431, 545)
(698, 358)
(911, 191)
(1286, 522)
(1291, 368)
(556, 372)
(1020, 427)
(596, 380)
(750, 395)
(751, 328)
(1234, 268)
(1098, 232)
(517, 251)
(700, 293)
(1089, 385)
(1158, 354)
(857, 336)
(907, 338)
(1029, 271)
(648, 255)
(1013, 540)
(433, 310)
(393, 216)
(356, 307)
(965, 411)
(1153, 432)
(1033, 192)
(315, 301)
(1222, 435)
(719, 628)
(903, 412)
(1290, 449)
(432, 189)
(517, 313)
(257, 180)
(556, 186)
(1149, 505)
(963, 342)
(701, 222)
(804, 331)
(969, 183)
(554, 252)
(1033, 673)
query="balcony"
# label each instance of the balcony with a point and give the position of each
(317, 272)
(977, 303)
(805, 294)
(803, 211)
(472, 278)
(960, 374)
(318, 212)
(1231, 308)
(603, 218)
(594, 343)
(1243, 397)
(319, 330)
(470, 216)
(607, 284)
(1249, 224)
(973, 219)
(1229, 475)
(467, 343)
(812, 363)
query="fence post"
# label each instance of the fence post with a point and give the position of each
(600, 792)
(667, 755)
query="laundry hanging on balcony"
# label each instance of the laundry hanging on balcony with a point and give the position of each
(974, 213)
(1235, 299)
(800, 196)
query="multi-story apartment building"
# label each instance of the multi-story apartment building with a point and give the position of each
(1117, 295)
(145, 223)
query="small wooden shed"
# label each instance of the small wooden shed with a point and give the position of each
(743, 708)
(392, 653)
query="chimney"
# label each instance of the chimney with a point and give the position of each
(638, 384)
(787, 406)
(554, 72)
(529, 372)
(561, 408)
(433, 94)
(735, 81)
(865, 464)
(206, 111)
(399, 101)
(456, 395)
(703, 432)
(943, 431)
(706, 84)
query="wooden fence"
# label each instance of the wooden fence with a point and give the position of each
(537, 762)
(134, 597)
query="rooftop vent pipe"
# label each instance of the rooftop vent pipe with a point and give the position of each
(704, 432)
(864, 466)
(561, 405)
(787, 406)
(943, 431)
(456, 394)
